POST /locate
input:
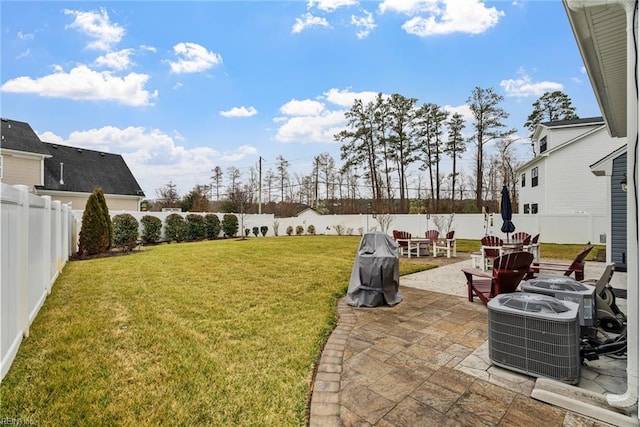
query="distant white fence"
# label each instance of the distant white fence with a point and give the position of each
(567, 228)
(37, 239)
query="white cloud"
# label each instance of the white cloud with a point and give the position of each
(148, 48)
(239, 153)
(154, 157)
(97, 26)
(239, 112)
(25, 36)
(305, 107)
(318, 128)
(119, 60)
(434, 17)
(82, 83)
(24, 54)
(408, 7)
(464, 110)
(523, 86)
(345, 98)
(365, 24)
(317, 121)
(193, 58)
(308, 20)
(49, 136)
(330, 5)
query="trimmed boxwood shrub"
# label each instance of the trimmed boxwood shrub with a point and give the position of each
(311, 229)
(196, 228)
(263, 230)
(212, 226)
(299, 230)
(125, 230)
(255, 231)
(289, 230)
(175, 228)
(229, 225)
(94, 234)
(151, 229)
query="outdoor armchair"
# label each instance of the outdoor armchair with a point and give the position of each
(533, 246)
(521, 236)
(432, 234)
(508, 272)
(490, 250)
(401, 237)
(576, 267)
(445, 245)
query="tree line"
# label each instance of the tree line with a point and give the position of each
(383, 143)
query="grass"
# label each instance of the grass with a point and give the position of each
(209, 333)
(547, 250)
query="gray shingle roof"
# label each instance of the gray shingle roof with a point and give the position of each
(20, 137)
(84, 170)
(583, 121)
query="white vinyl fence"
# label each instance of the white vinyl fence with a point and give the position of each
(37, 239)
(560, 228)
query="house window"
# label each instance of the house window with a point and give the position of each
(526, 208)
(523, 181)
(534, 208)
(543, 144)
(534, 177)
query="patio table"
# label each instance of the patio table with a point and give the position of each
(417, 245)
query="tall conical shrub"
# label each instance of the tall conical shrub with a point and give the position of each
(105, 212)
(94, 238)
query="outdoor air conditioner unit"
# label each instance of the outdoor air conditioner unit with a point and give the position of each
(566, 289)
(536, 335)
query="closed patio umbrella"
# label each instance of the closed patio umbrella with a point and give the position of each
(506, 212)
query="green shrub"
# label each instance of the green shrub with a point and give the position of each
(230, 225)
(256, 231)
(94, 234)
(175, 228)
(263, 230)
(299, 230)
(151, 229)
(246, 232)
(125, 230)
(196, 228)
(105, 212)
(212, 225)
(289, 230)
(311, 229)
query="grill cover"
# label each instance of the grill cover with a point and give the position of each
(376, 272)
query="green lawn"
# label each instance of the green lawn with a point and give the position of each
(212, 333)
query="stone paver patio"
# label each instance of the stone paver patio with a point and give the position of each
(422, 363)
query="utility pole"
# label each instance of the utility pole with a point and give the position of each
(316, 161)
(259, 185)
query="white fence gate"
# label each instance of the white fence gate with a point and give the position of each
(37, 239)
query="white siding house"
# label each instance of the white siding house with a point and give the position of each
(558, 180)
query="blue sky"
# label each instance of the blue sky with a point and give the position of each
(178, 88)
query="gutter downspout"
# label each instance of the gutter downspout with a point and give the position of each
(630, 397)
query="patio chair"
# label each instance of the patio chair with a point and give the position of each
(445, 246)
(533, 246)
(508, 272)
(576, 267)
(432, 235)
(521, 236)
(402, 246)
(490, 250)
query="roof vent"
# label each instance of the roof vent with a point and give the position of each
(79, 150)
(54, 146)
(102, 154)
(61, 173)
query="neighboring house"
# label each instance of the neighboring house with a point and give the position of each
(308, 212)
(558, 179)
(67, 174)
(614, 168)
